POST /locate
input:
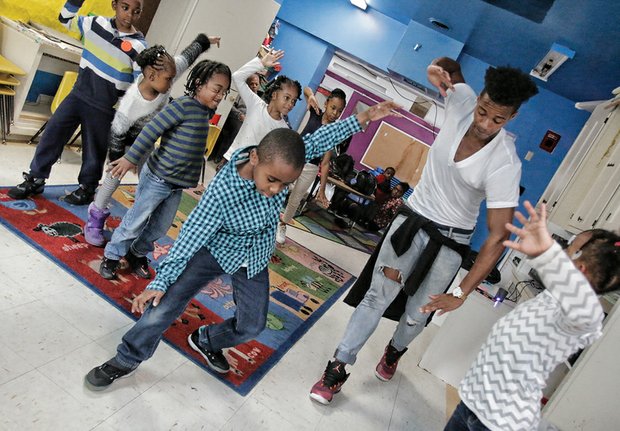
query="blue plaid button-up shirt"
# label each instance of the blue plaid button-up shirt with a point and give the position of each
(235, 222)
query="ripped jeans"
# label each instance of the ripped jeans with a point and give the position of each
(383, 291)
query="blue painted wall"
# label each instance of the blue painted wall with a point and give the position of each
(316, 54)
(370, 35)
(309, 34)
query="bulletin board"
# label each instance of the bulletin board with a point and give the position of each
(406, 154)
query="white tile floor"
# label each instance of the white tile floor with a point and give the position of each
(54, 330)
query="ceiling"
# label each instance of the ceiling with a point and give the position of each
(521, 37)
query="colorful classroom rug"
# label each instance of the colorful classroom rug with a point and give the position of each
(318, 221)
(303, 285)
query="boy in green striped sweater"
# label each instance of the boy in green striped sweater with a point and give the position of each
(175, 165)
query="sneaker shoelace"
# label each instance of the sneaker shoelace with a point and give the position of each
(111, 372)
(392, 356)
(334, 375)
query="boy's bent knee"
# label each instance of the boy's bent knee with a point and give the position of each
(393, 274)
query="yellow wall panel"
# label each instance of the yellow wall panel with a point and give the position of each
(46, 11)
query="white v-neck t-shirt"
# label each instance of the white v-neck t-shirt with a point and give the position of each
(450, 193)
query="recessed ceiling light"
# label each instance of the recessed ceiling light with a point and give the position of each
(360, 4)
(437, 23)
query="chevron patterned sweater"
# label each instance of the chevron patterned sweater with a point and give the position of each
(504, 385)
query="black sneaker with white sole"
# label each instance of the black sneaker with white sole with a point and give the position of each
(138, 265)
(102, 376)
(108, 268)
(215, 360)
(83, 195)
(30, 187)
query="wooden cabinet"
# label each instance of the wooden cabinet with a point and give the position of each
(419, 46)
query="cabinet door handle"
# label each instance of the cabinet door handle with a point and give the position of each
(417, 47)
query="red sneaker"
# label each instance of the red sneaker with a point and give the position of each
(330, 383)
(389, 361)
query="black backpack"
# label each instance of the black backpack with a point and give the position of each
(365, 183)
(341, 166)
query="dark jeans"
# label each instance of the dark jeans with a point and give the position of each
(464, 419)
(251, 296)
(95, 124)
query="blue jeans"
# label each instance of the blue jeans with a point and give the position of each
(156, 203)
(384, 290)
(95, 128)
(464, 419)
(251, 296)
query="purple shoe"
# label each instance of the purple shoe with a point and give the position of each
(93, 231)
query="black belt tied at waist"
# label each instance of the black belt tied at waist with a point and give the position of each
(402, 239)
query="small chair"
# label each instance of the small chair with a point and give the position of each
(6, 107)
(214, 133)
(68, 80)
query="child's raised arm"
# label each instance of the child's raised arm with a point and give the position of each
(191, 52)
(330, 135)
(535, 238)
(67, 16)
(252, 100)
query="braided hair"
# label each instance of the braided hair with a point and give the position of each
(601, 256)
(202, 72)
(337, 93)
(277, 84)
(154, 54)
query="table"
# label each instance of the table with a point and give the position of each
(347, 188)
(25, 50)
(338, 183)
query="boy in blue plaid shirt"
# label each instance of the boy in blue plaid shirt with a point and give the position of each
(232, 231)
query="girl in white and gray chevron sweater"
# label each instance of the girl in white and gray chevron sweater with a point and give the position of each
(145, 98)
(503, 388)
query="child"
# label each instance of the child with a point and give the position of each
(262, 117)
(384, 188)
(107, 68)
(503, 388)
(146, 96)
(231, 231)
(334, 105)
(175, 165)
(233, 123)
(385, 213)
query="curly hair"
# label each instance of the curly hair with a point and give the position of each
(508, 86)
(153, 55)
(277, 84)
(202, 72)
(284, 144)
(601, 256)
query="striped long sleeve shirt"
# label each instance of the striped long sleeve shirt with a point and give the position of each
(183, 126)
(504, 385)
(107, 66)
(234, 221)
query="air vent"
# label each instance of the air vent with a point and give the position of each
(439, 24)
(534, 10)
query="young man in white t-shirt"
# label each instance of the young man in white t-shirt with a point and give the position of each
(472, 159)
